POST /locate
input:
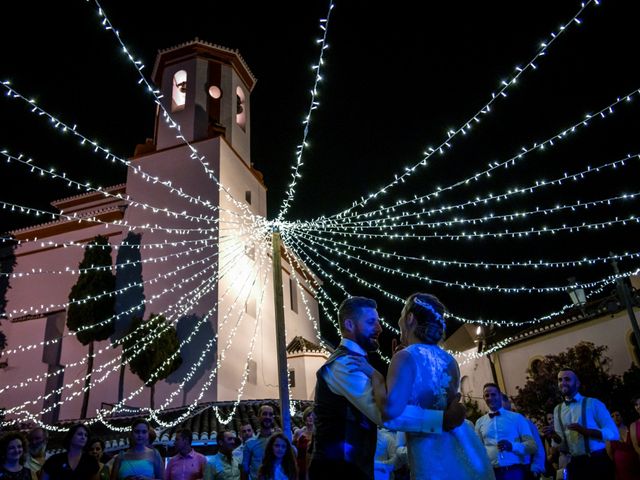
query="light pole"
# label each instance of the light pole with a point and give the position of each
(625, 295)
(578, 297)
(281, 342)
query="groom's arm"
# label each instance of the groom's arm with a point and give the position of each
(357, 388)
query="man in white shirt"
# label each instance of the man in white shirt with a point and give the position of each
(537, 461)
(506, 437)
(582, 426)
(346, 414)
(246, 434)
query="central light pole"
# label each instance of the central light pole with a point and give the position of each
(281, 342)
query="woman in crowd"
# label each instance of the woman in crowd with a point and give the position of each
(625, 459)
(303, 441)
(96, 450)
(75, 463)
(279, 462)
(140, 462)
(12, 448)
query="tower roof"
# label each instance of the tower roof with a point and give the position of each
(203, 49)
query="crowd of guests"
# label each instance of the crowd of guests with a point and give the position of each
(266, 455)
(580, 439)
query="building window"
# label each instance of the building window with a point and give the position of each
(292, 378)
(241, 110)
(293, 294)
(215, 92)
(179, 91)
(247, 196)
(250, 251)
(465, 387)
(534, 365)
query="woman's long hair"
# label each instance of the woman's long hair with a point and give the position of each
(289, 465)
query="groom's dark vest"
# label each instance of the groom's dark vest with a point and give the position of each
(343, 433)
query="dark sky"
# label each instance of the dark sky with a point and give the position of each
(398, 75)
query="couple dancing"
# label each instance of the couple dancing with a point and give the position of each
(419, 396)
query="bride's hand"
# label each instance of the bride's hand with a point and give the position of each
(359, 364)
(396, 345)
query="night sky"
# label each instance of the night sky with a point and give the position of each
(398, 75)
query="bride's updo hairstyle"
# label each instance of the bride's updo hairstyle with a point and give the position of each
(429, 314)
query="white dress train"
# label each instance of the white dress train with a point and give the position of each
(455, 455)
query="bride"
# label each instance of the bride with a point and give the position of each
(423, 374)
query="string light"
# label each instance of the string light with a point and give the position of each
(231, 262)
(475, 118)
(295, 174)
(430, 280)
(88, 188)
(602, 113)
(484, 265)
(64, 128)
(195, 155)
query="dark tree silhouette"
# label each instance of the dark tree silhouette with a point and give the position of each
(202, 338)
(149, 348)
(540, 394)
(129, 301)
(92, 304)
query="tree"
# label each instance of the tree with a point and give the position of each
(148, 349)
(540, 394)
(472, 408)
(91, 304)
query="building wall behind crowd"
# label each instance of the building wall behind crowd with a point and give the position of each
(512, 362)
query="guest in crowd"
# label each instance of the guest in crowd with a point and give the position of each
(303, 441)
(553, 456)
(506, 436)
(37, 454)
(536, 461)
(140, 460)
(96, 450)
(186, 464)
(74, 463)
(13, 446)
(634, 428)
(279, 461)
(224, 465)
(582, 426)
(246, 434)
(385, 457)
(626, 463)
(254, 449)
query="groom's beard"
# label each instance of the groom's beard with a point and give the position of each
(368, 344)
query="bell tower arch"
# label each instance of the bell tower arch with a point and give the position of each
(206, 89)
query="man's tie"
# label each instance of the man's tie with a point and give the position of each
(493, 414)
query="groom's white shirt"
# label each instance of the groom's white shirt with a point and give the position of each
(357, 388)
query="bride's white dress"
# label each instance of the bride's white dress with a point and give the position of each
(455, 455)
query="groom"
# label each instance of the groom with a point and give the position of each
(346, 413)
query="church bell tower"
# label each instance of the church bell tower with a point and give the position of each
(206, 89)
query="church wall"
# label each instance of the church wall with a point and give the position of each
(197, 318)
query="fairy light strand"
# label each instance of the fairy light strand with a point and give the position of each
(314, 104)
